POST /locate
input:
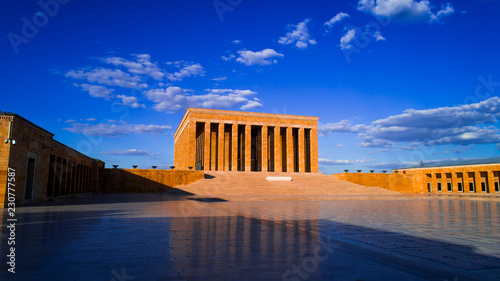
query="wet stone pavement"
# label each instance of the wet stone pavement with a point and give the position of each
(172, 237)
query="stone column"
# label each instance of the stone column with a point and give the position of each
(466, 181)
(248, 147)
(434, 183)
(454, 181)
(289, 150)
(234, 152)
(264, 148)
(491, 181)
(302, 151)
(314, 150)
(191, 149)
(477, 176)
(277, 149)
(206, 152)
(221, 152)
(213, 150)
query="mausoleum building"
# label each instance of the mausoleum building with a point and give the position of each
(221, 140)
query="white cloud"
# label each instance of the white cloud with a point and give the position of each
(186, 70)
(228, 58)
(344, 126)
(445, 10)
(404, 10)
(105, 76)
(341, 145)
(174, 99)
(70, 121)
(337, 18)
(261, 58)
(115, 130)
(325, 161)
(236, 42)
(90, 119)
(221, 78)
(142, 65)
(345, 41)
(298, 35)
(251, 104)
(460, 125)
(363, 34)
(378, 36)
(130, 101)
(96, 91)
(129, 152)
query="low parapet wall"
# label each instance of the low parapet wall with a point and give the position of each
(147, 180)
(396, 182)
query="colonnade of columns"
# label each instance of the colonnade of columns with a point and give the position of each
(464, 181)
(255, 147)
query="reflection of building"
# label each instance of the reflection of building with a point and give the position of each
(480, 175)
(221, 140)
(43, 167)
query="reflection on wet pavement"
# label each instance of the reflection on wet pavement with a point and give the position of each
(168, 237)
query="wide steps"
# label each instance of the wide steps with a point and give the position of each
(238, 185)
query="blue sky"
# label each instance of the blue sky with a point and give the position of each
(393, 82)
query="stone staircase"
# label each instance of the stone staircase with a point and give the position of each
(251, 186)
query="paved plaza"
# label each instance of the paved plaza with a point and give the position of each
(178, 236)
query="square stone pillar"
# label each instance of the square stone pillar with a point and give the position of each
(434, 187)
(314, 150)
(234, 144)
(213, 150)
(220, 149)
(466, 181)
(191, 151)
(206, 150)
(302, 151)
(454, 182)
(491, 181)
(248, 147)
(264, 148)
(277, 149)
(289, 150)
(477, 176)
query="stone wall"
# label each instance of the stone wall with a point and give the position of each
(33, 142)
(147, 180)
(396, 182)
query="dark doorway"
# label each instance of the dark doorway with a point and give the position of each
(200, 146)
(30, 178)
(256, 149)
(241, 147)
(284, 159)
(270, 149)
(307, 149)
(295, 146)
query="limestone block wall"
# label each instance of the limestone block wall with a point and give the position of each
(4, 155)
(147, 180)
(70, 172)
(396, 182)
(483, 178)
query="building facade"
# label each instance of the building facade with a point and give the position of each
(221, 140)
(37, 167)
(472, 176)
